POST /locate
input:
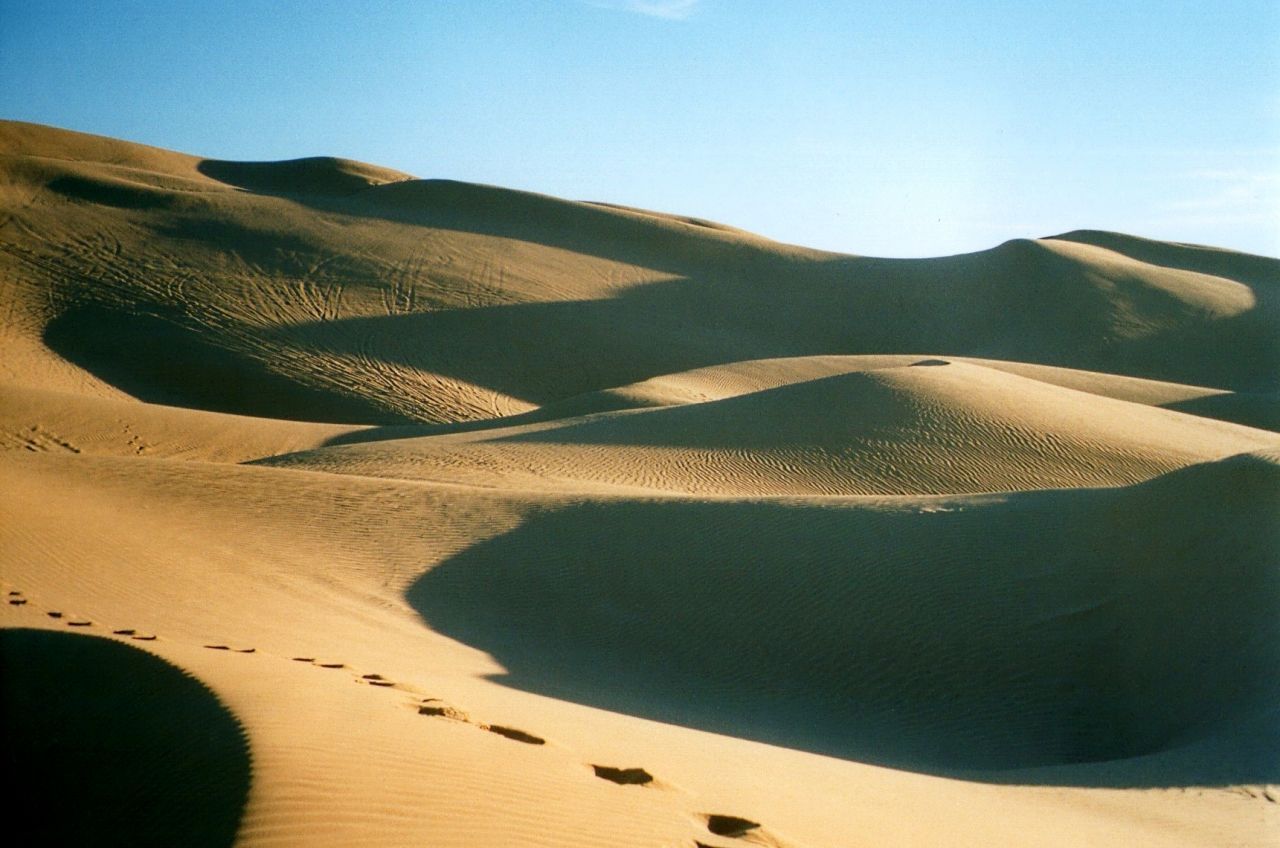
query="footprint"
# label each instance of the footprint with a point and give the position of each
(54, 614)
(218, 647)
(80, 622)
(624, 776)
(17, 602)
(245, 650)
(732, 826)
(303, 659)
(517, 735)
(432, 707)
(148, 638)
(331, 665)
(127, 632)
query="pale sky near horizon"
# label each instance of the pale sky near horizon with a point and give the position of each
(899, 128)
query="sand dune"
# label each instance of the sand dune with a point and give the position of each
(418, 512)
(177, 760)
(39, 420)
(934, 427)
(961, 634)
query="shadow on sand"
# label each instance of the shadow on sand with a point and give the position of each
(107, 745)
(1037, 638)
(1017, 301)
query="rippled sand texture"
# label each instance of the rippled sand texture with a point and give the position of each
(346, 508)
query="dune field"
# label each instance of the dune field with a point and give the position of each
(342, 507)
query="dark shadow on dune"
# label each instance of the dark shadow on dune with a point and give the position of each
(1018, 301)
(160, 359)
(730, 299)
(312, 176)
(116, 193)
(255, 244)
(543, 352)
(1259, 410)
(107, 745)
(1038, 638)
(549, 351)
(1260, 271)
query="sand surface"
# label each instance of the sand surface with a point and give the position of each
(346, 508)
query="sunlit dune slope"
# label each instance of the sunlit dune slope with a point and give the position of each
(1044, 628)
(38, 420)
(720, 381)
(933, 427)
(329, 290)
(366, 510)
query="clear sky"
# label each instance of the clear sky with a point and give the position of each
(895, 128)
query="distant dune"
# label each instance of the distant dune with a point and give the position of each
(344, 507)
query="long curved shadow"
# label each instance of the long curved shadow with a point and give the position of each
(1016, 301)
(728, 299)
(159, 358)
(1035, 638)
(549, 351)
(107, 745)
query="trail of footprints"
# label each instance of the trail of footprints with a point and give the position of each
(717, 824)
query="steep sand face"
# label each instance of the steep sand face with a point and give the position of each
(931, 428)
(102, 770)
(417, 300)
(961, 635)
(488, 518)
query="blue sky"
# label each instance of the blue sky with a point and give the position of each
(897, 128)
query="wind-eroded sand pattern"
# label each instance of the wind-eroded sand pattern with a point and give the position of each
(367, 510)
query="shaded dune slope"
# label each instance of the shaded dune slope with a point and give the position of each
(945, 428)
(38, 421)
(721, 381)
(1008, 516)
(115, 747)
(718, 382)
(333, 290)
(1041, 629)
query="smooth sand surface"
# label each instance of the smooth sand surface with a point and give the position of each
(346, 508)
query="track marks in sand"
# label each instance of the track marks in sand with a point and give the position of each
(740, 830)
(514, 734)
(18, 598)
(432, 707)
(37, 439)
(735, 826)
(435, 708)
(623, 776)
(427, 707)
(70, 621)
(630, 777)
(1267, 793)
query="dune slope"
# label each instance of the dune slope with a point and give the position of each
(418, 512)
(108, 745)
(1043, 628)
(933, 427)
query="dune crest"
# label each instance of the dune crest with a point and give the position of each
(483, 517)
